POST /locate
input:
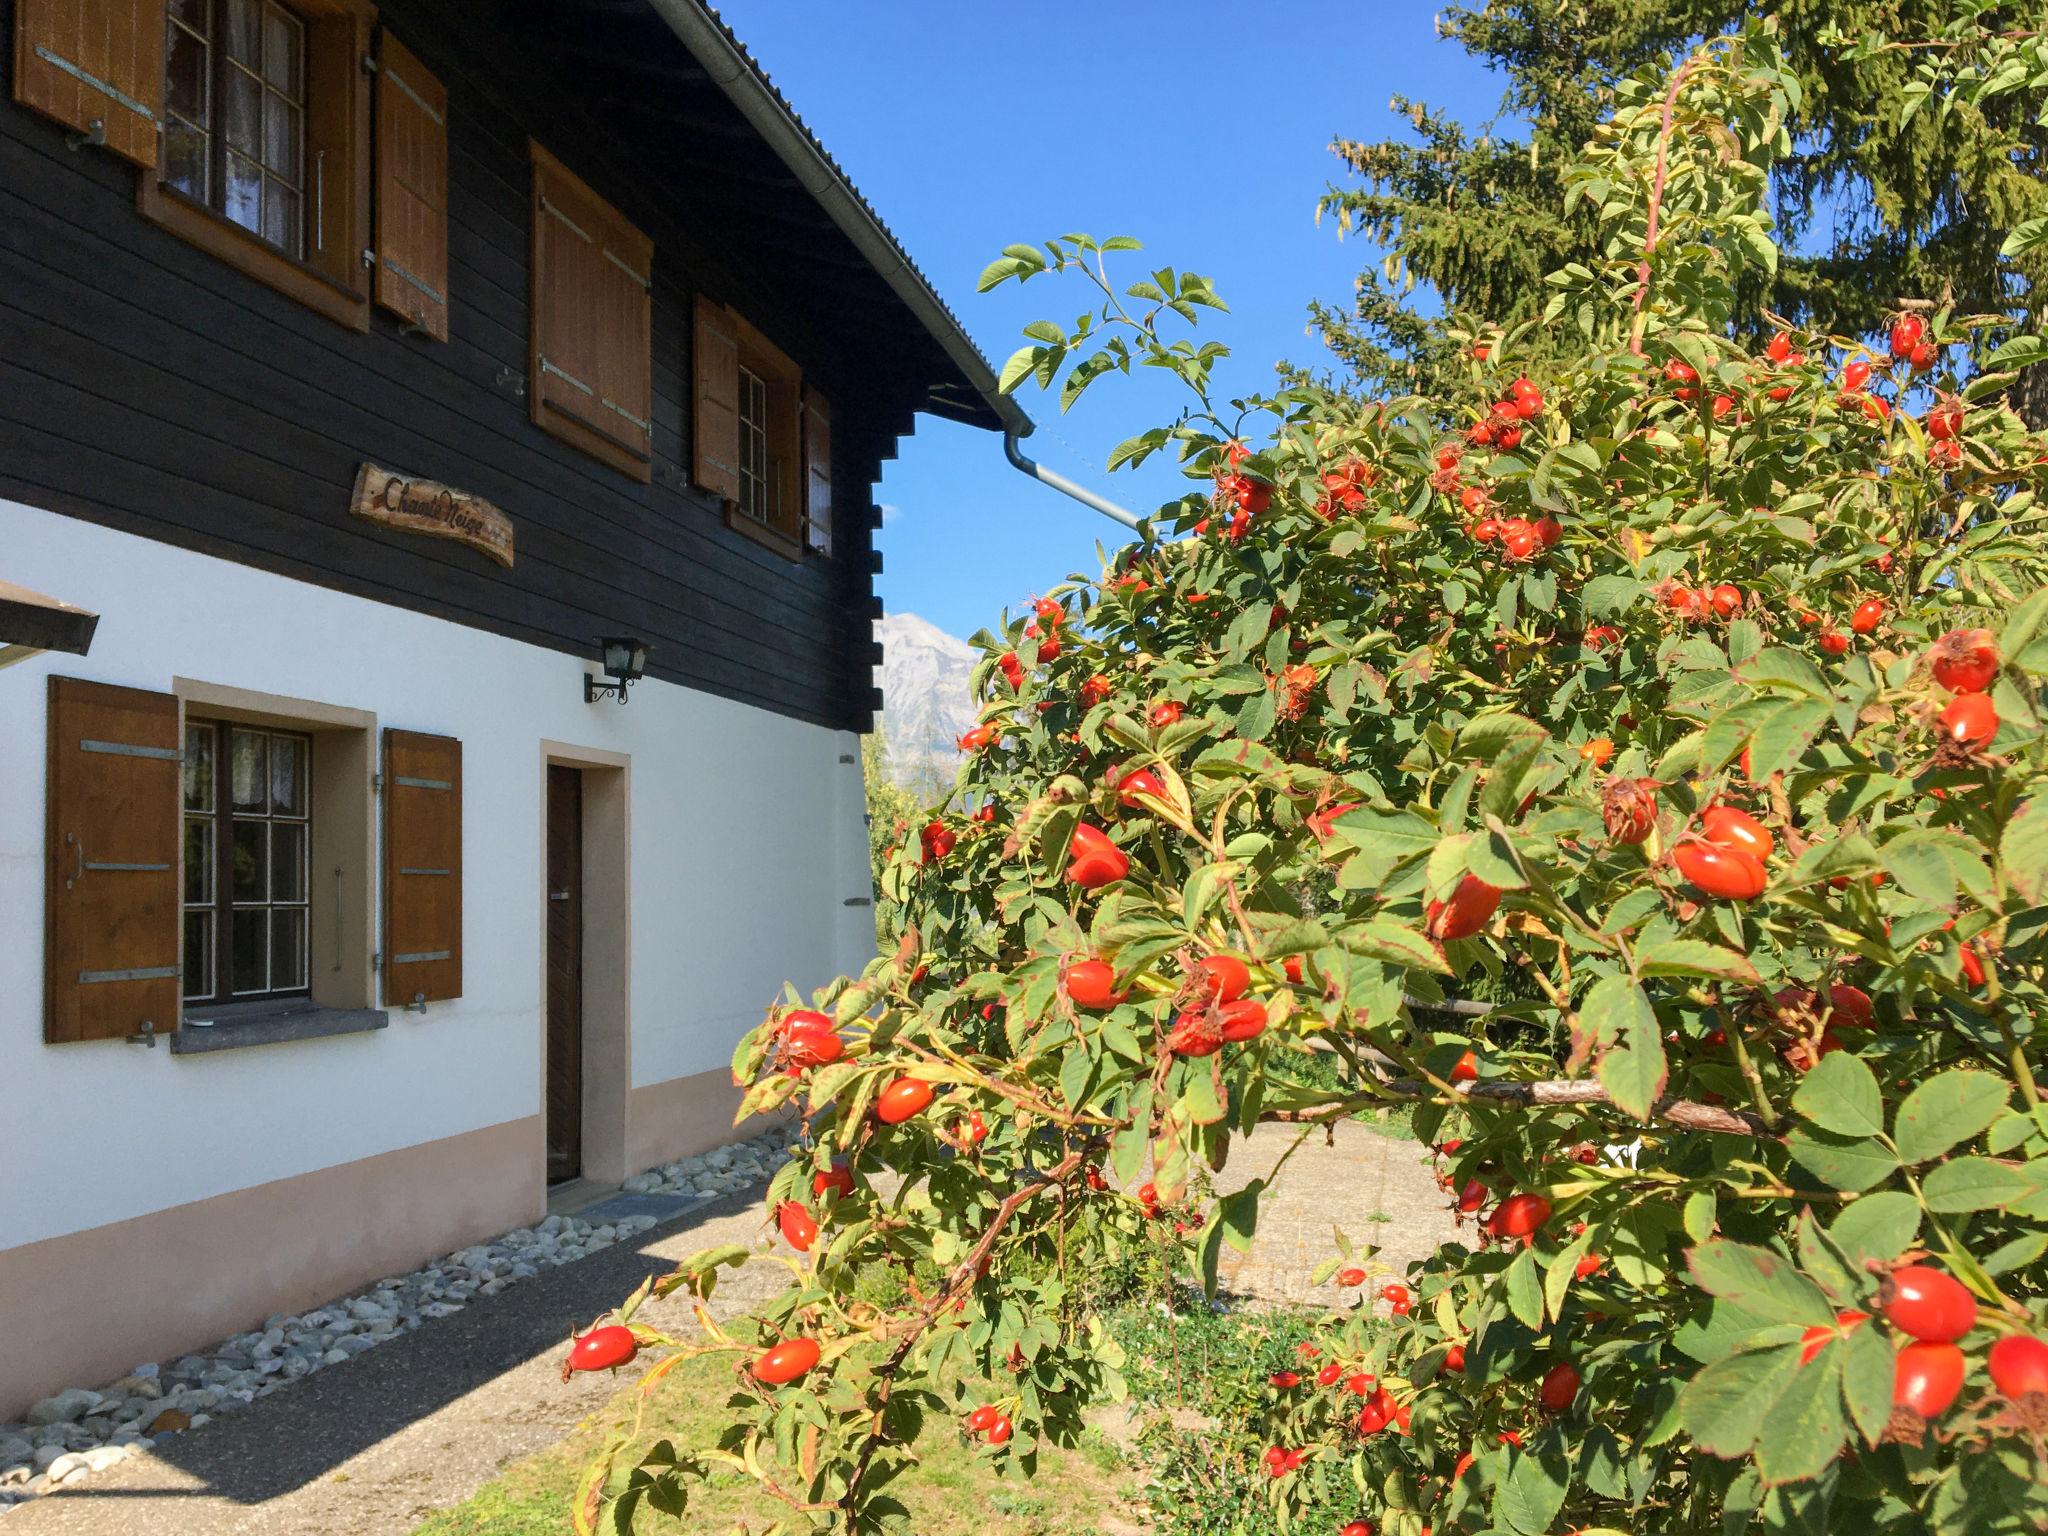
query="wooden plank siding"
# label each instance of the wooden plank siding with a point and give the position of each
(147, 386)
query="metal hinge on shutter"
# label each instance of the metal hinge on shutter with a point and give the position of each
(417, 100)
(406, 277)
(567, 377)
(551, 208)
(612, 405)
(627, 268)
(86, 77)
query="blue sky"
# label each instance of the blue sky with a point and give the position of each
(1201, 128)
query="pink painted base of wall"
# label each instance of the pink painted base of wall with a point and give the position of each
(682, 1117)
(84, 1309)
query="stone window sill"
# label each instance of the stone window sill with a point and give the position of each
(233, 1026)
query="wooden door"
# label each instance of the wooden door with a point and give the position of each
(565, 974)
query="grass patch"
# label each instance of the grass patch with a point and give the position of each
(954, 1492)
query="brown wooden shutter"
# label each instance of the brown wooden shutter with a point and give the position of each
(715, 440)
(112, 945)
(592, 321)
(817, 472)
(422, 868)
(412, 189)
(94, 61)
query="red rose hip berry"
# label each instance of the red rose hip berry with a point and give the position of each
(1927, 1304)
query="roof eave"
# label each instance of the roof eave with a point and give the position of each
(728, 63)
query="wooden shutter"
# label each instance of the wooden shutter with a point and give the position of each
(94, 61)
(715, 440)
(112, 916)
(412, 190)
(817, 490)
(592, 321)
(422, 868)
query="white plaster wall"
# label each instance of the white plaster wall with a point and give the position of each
(747, 843)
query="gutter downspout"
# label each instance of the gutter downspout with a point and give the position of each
(1061, 483)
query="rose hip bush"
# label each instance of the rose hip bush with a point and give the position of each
(1691, 697)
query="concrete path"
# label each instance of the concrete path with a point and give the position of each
(1378, 1189)
(368, 1449)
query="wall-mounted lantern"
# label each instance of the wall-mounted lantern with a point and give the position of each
(625, 663)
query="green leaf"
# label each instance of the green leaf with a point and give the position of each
(1973, 1184)
(1783, 668)
(1693, 957)
(1724, 1405)
(1205, 1106)
(1385, 839)
(1618, 1015)
(1841, 1095)
(1783, 736)
(1867, 1367)
(1525, 1289)
(1877, 1227)
(1392, 943)
(1842, 1162)
(2020, 351)
(2023, 849)
(1528, 1498)
(1762, 1282)
(1945, 1110)
(1803, 1431)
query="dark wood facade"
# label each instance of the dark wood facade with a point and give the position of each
(148, 386)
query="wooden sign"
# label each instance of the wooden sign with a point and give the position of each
(436, 510)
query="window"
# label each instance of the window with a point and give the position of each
(248, 836)
(235, 114)
(758, 485)
(762, 435)
(265, 155)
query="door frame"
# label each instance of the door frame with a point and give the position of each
(607, 957)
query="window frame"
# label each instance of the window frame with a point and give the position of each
(223, 904)
(333, 279)
(782, 387)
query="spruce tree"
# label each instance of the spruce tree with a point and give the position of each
(1890, 194)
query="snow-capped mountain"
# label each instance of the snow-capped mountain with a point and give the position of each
(926, 701)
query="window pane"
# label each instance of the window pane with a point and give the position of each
(244, 42)
(283, 50)
(185, 160)
(242, 198)
(281, 137)
(250, 880)
(287, 861)
(251, 793)
(199, 767)
(242, 112)
(287, 949)
(199, 847)
(287, 776)
(281, 226)
(250, 959)
(185, 76)
(199, 954)
(191, 13)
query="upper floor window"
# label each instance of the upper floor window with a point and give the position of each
(235, 116)
(763, 436)
(760, 482)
